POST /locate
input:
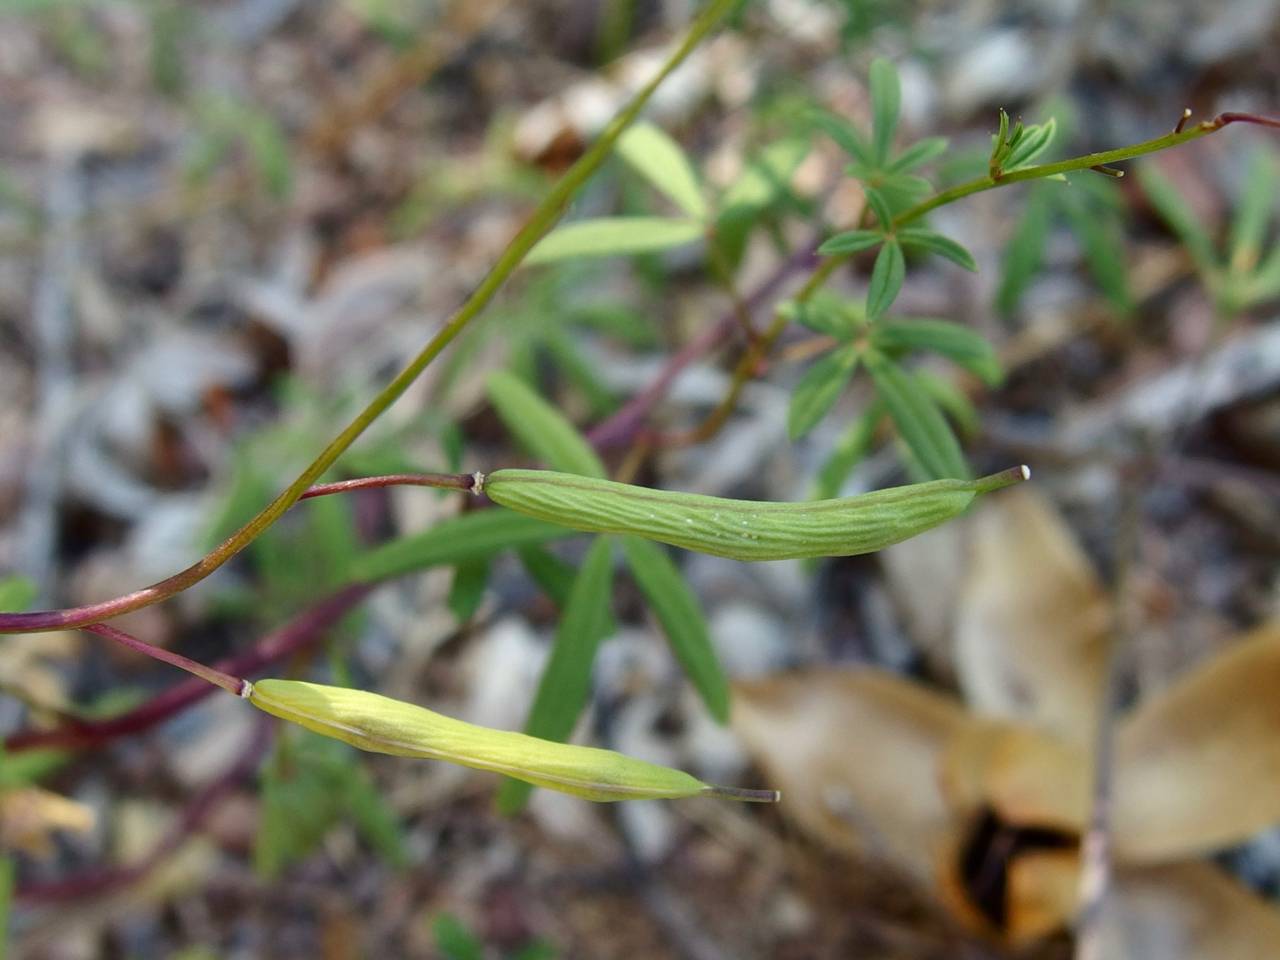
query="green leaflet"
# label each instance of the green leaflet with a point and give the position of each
(952, 340)
(566, 680)
(614, 237)
(540, 428)
(467, 537)
(886, 280)
(936, 243)
(659, 159)
(886, 101)
(819, 389)
(851, 241)
(680, 614)
(916, 415)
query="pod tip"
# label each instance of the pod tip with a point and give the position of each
(1005, 478)
(743, 794)
(1026, 472)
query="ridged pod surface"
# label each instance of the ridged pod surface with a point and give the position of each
(383, 725)
(741, 529)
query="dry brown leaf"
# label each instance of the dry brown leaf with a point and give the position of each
(856, 754)
(1029, 779)
(1043, 887)
(1199, 766)
(1187, 911)
(1033, 624)
(29, 816)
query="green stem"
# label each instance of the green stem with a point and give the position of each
(542, 220)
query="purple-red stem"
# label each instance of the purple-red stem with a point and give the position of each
(207, 674)
(304, 630)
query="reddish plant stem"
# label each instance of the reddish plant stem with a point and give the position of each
(297, 635)
(622, 428)
(449, 481)
(96, 881)
(208, 674)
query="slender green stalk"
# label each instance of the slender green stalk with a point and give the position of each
(542, 220)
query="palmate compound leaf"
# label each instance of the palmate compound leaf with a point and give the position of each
(919, 421)
(614, 237)
(566, 681)
(952, 340)
(819, 389)
(541, 428)
(681, 616)
(659, 159)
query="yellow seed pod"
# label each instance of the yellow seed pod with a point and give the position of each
(382, 725)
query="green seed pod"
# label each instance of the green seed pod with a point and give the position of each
(741, 529)
(382, 725)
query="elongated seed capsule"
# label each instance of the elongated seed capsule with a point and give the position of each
(373, 722)
(742, 529)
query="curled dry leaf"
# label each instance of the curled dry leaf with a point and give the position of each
(856, 753)
(1187, 911)
(1033, 624)
(1199, 766)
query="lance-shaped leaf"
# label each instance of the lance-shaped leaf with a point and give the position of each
(879, 206)
(470, 536)
(886, 280)
(680, 614)
(1033, 623)
(953, 340)
(541, 428)
(467, 590)
(1198, 766)
(934, 242)
(918, 419)
(918, 154)
(819, 389)
(886, 101)
(614, 237)
(825, 313)
(566, 680)
(845, 135)
(659, 159)
(852, 241)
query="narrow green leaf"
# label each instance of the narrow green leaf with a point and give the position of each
(918, 419)
(553, 576)
(469, 536)
(952, 400)
(680, 614)
(886, 101)
(879, 206)
(467, 590)
(1179, 216)
(845, 136)
(1034, 141)
(614, 237)
(767, 178)
(918, 154)
(1254, 208)
(825, 313)
(1102, 243)
(999, 144)
(541, 428)
(1023, 255)
(886, 280)
(658, 158)
(819, 389)
(848, 452)
(937, 243)
(566, 680)
(852, 241)
(952, 340)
